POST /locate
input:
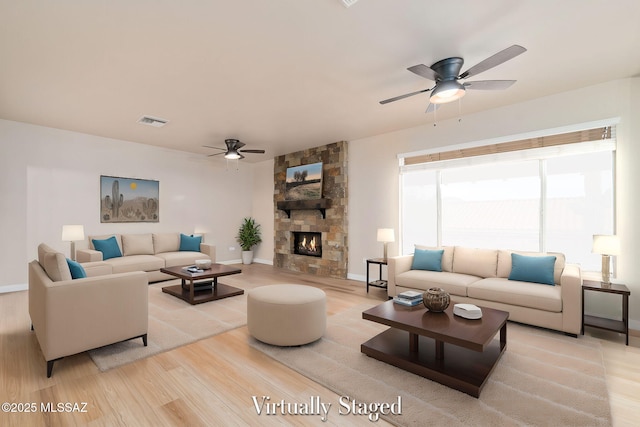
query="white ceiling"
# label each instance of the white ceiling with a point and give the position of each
(285, 75)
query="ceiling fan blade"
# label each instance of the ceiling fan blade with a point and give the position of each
(217, 148)
(252, 151)
(492, 61)
(431, 108)
(396, 98)
(217, 154)
(489, 84)
(424, 71)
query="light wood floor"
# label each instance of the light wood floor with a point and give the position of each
(211, 382)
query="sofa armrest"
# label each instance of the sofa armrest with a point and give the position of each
(395, 266)
(88, 255)
(208, 249)
(87, 313)
(571, 289)
(97, 268)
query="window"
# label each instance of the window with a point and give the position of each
(534, 200)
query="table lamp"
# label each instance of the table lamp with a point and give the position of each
(385, 235)
(606, 245)
(72, 233)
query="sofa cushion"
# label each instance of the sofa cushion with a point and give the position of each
(447, 255)
(109, 247)
(524, 294)
(190, 243)
(427, 259)
(453, 283)
(504, 262)
(130, 263)
(56, 267)
(475, 262)
(44, 249)
(535, 269)
(173, 259)
(166, 242)
(137, 244)
(76, 270)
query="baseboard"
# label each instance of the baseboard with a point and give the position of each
(358, 277)
(263, 261)
(13, 288)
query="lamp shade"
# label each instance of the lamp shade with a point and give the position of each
(386, 235)
(606, 244)
(71, 233)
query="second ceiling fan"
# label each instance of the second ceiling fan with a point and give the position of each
(233, 150)
(446, 74)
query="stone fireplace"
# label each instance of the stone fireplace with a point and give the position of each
(324, 219)
(307, 243)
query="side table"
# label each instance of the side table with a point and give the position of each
(621, 326)
(376, 283)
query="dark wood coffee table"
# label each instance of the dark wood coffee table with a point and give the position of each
(459, 353)
(204, 290)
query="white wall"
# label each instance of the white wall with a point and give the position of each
(373, 170)
(51, 177)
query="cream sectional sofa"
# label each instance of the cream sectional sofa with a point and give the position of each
(145, 252)
(481, 277)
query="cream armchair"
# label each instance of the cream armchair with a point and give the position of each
(72, 316)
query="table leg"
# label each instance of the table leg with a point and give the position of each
(367, 276)
(439, 350)
(191, 292)
(503, 336)
(625, 315)
(413, 342)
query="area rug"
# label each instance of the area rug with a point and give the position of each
(174, 323)
(544, 378)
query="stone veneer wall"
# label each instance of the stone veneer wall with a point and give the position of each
(335, 249)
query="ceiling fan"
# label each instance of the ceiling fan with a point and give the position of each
(233, 151)
(445, 73)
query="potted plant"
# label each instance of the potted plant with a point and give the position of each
(248, 236)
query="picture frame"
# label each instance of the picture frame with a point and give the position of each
(129, 199)
(304, 182)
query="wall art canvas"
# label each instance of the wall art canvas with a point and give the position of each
(304, 182)
(129, 199)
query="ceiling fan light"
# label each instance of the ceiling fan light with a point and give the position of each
(448, 91)
(232, 155)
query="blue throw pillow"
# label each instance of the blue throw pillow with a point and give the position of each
(535, 269)
(190, 243)
(77, 271)
(427, 259)
(109, 247)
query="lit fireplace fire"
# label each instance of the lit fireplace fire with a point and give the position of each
(308, 243)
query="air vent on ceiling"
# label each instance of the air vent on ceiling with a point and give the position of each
(153, 121)
(348, 3)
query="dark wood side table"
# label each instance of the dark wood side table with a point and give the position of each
(376, 283)
(621, 326)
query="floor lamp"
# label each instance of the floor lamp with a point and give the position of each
(72, 233)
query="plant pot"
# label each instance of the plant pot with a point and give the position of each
(247, 257)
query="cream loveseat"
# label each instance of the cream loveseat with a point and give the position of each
(70, 316)
(481, 277)
(148, 252)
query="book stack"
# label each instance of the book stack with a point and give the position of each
(408, 298)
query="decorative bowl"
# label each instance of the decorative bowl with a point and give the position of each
(436, 299)
(203, 264)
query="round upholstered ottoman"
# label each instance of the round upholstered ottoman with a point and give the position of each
(286, 315)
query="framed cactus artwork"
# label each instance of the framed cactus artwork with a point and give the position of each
(129, 199)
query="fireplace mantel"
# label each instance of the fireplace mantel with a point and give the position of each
(290, 205)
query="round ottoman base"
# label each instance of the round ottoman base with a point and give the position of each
(286, 315)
